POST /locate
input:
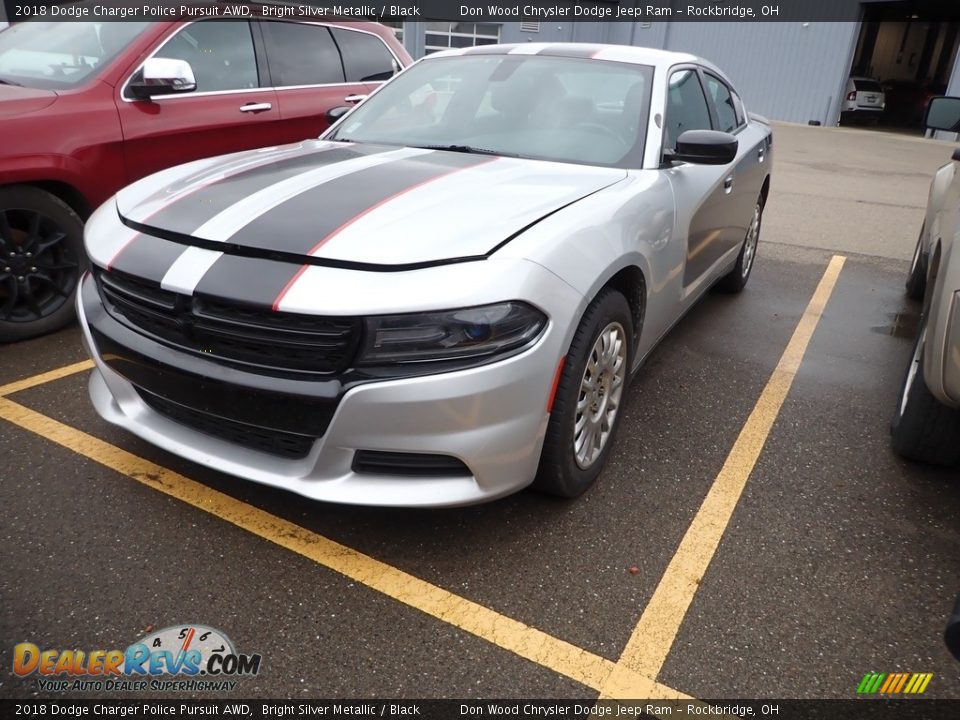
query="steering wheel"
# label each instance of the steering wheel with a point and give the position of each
(602, 129)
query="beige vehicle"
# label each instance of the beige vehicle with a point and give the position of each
(926, 425)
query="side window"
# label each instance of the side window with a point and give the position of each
(220, 53)
(723, 101)
(686, 106)
(301, 54)
(738, 106)
(365, 57)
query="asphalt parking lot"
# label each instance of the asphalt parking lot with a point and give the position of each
(752, 537)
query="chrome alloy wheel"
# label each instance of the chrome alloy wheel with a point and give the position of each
(750, 242)
(599, 399)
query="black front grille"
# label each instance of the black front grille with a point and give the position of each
(230, 331)
(284, 444)
(376, 462)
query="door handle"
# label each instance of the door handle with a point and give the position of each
(256, 107)
(354, 98)
(728, 184)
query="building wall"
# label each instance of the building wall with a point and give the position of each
(790, 71)
(787, 71)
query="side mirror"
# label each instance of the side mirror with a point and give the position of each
(704, 147)
(943, 113)
(335, 113)
(163, 76)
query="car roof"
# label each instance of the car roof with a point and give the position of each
(257, 11)
(621, 53)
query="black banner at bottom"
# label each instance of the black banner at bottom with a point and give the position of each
(867, 709)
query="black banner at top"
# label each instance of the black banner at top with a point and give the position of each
(508, 709)
(485, 10)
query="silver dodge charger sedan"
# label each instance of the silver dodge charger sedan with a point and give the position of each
(440, 301)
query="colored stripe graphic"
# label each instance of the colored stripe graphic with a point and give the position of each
(894, 683)
(303, 223)
(412, 175)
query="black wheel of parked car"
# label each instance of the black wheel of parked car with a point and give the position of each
(917, 279)
(589, 399)
(736, 280)
(923, 428)
(41, 257)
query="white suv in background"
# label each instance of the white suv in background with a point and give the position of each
(863, 100)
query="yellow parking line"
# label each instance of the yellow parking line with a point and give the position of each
(652, 638)
(44, 378)
(527, 642)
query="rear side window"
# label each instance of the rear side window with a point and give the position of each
(365, 57)
(301, 54)
(723, 102)
(220, 53)
(867, 85)
(686, 106)
(738, 106)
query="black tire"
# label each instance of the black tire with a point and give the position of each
(736, 280)
(560, 473)
(41, 258)
(917, 279)
(923, 428)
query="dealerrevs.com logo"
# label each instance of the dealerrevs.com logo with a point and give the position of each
(181, 658)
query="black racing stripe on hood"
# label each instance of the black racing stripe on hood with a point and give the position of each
(257, 282)
(196, 208)
(147, 257)
(300, 224)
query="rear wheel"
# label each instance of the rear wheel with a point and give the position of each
(41, 257)
(923, 428)
(587, 405)
(917, 279)
(736, 280)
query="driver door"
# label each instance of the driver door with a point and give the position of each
(704, 193)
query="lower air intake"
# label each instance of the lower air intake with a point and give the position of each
(274, 442)
(373, 462)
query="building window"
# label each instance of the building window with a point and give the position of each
(397, 27)
(442, 35)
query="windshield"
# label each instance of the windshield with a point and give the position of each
(60, 55)
(546, 108)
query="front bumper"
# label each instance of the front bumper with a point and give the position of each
(492, 418)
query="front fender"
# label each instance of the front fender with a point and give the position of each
(941, 357)
(25, 169)
(936, 199)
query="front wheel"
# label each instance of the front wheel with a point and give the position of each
(923, 428)
(736, 280)
(589, 399)
(41, 257)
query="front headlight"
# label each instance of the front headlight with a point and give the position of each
(465, 334)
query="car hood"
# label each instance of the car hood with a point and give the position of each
(15, 100)
(341, 203)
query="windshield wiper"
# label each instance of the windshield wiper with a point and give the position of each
(465, 149)
(9, 82)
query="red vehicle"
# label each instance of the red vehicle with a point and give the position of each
(88, 107)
